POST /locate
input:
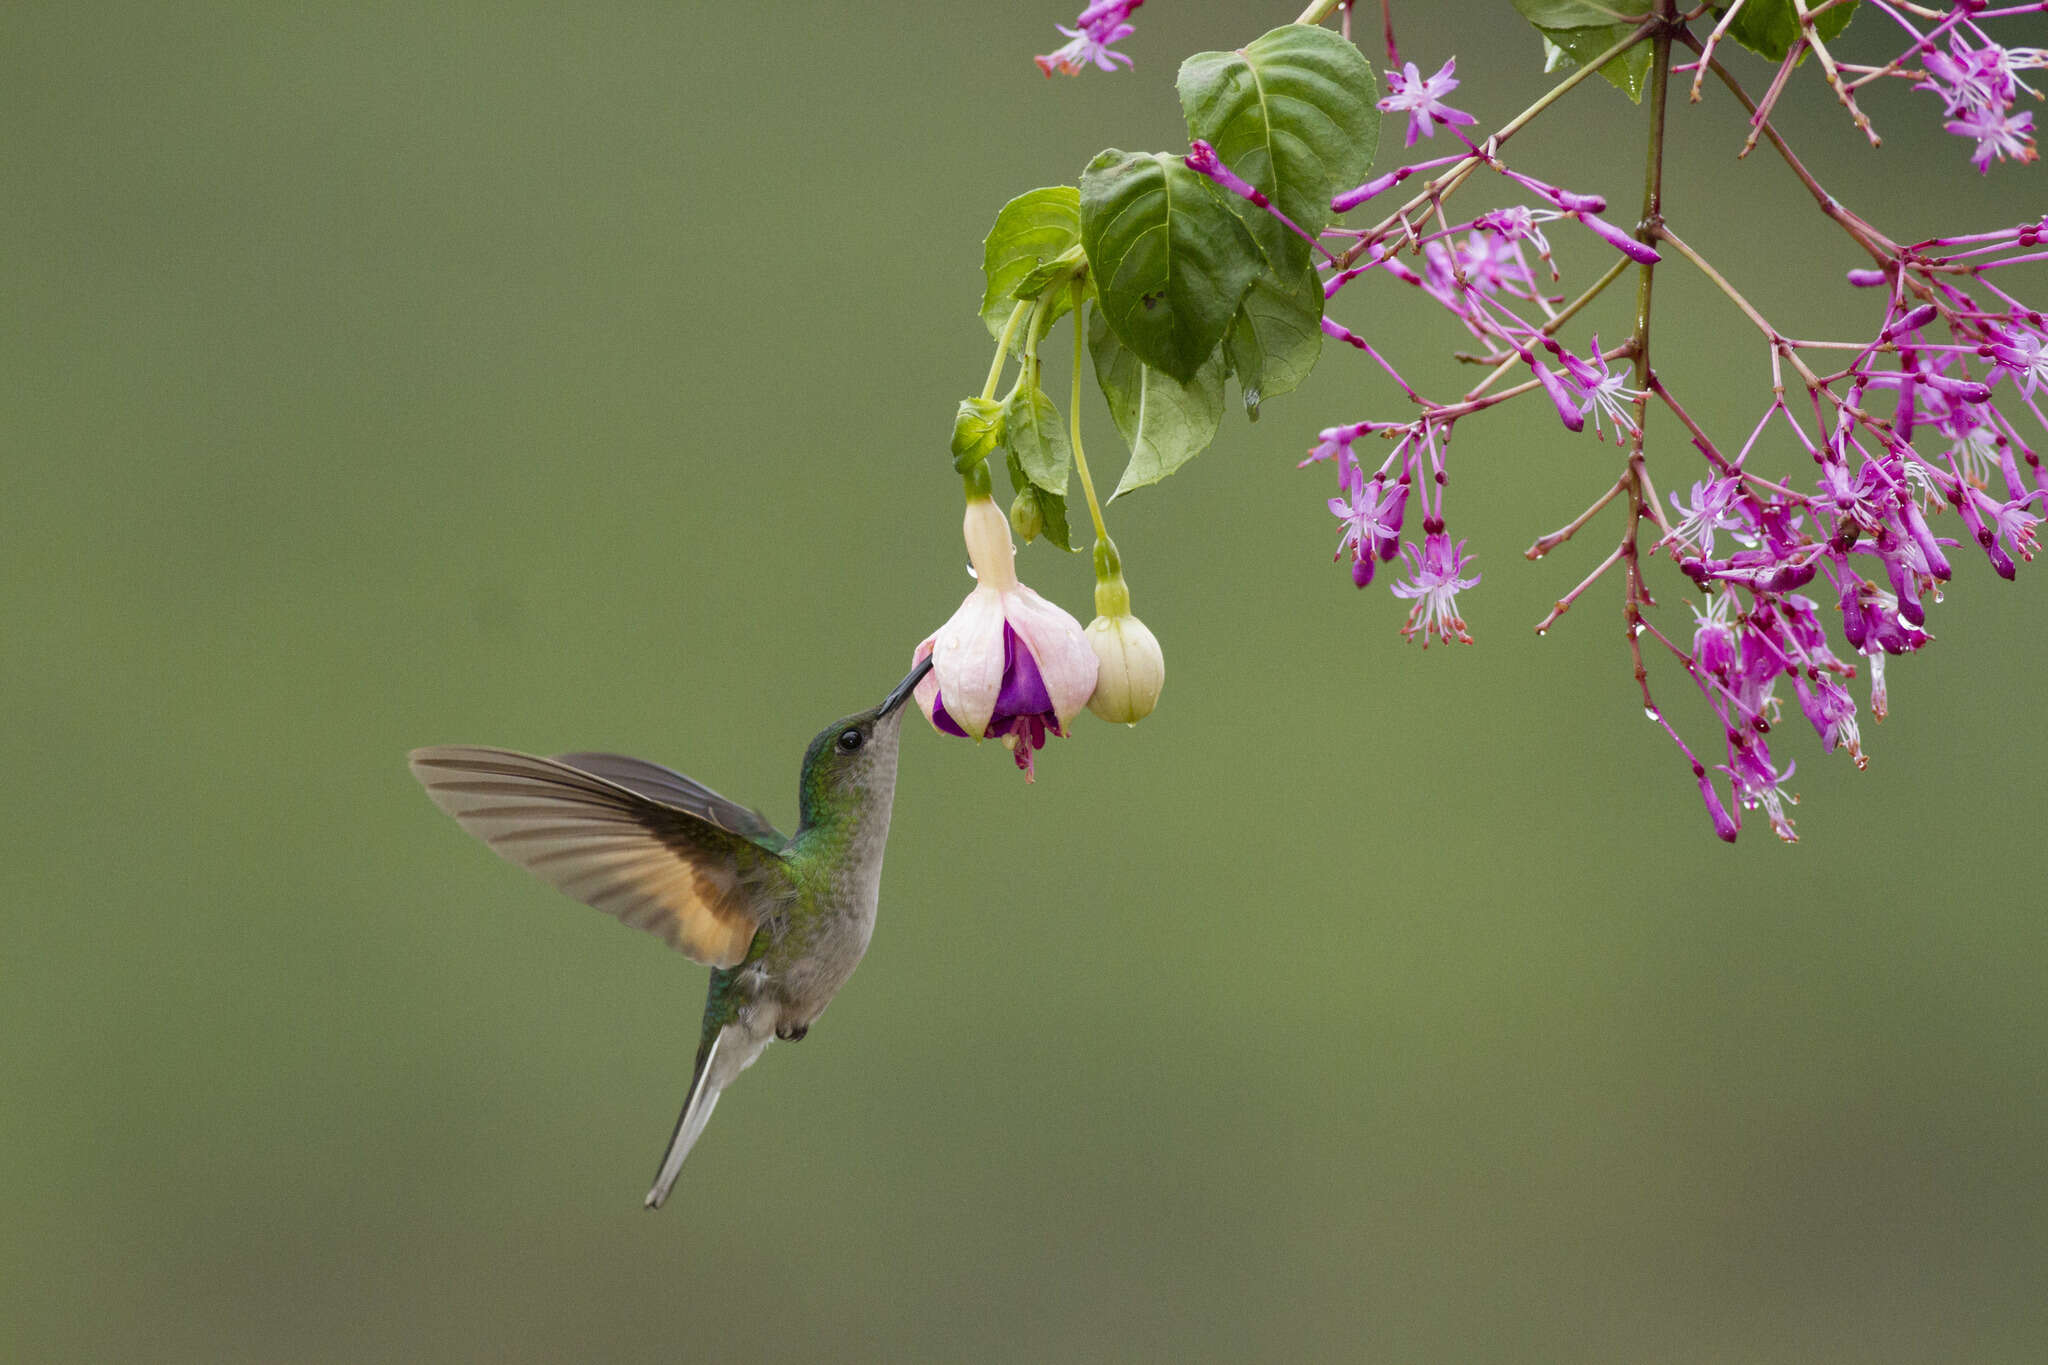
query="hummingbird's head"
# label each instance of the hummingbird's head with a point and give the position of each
(856, 757)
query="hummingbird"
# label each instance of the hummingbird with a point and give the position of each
(782, 921)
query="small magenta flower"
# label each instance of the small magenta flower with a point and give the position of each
(1832, 712)
(1760, 785)
(1435, 582)
(1422, 100)
(1710, 512)
(1009, 665)
(1370, 513)
(1642, 253)
(1714, 646)
(1560, 396)
(1999, 135)
(1487, 263)
(1096, 28)
(2023, 353)
(1872, 625)
(1976, 449)
(2002, 529)
(1980, 78)
(1967, 77)
(1600, 390)
(1203, 161)
(1371, 189)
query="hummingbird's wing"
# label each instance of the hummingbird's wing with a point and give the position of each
(653, 864)
(672, 788)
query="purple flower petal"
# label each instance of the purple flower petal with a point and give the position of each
(1023, 692)
(943, 720)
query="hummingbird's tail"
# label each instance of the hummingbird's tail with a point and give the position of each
(724, 1055)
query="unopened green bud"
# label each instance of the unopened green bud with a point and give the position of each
(977, 431)
(1027, 518)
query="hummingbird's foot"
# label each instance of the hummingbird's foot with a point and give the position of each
(792, 1035)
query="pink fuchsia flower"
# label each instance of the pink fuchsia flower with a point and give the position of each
(1009, 665)
(1434, 586)
(1422, 100)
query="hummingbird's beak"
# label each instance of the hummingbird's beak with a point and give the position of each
(904, 688)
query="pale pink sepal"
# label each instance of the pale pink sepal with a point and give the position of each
(967, 661)
(1066, 661)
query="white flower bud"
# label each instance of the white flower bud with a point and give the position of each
(1131, 668)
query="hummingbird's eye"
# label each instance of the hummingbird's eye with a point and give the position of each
(850, 740)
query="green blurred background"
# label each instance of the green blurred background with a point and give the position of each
(579, 377)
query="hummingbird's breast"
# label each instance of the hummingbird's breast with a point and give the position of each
(826, 937)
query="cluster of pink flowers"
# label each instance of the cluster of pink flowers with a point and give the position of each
(1867, 529)
(1806, 586)
(1752, 546)
(1977, 78)
(1978, 81)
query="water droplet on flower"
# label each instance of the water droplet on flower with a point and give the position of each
(1636, 629)
(1542, 631)
(1653, 713)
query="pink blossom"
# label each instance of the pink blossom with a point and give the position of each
(1008, 665)
(1422, 100)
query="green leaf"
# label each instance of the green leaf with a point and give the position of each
(1583, 29)
(1295, 114)
(1052, 508)
(1164, 422)
(1054, 279)
(1171, 261)
(977, 432)
(1581, 13)
(1061, 269)
(1036, 438)
(1032, 229)
(1770, 27)
(1276, 338)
